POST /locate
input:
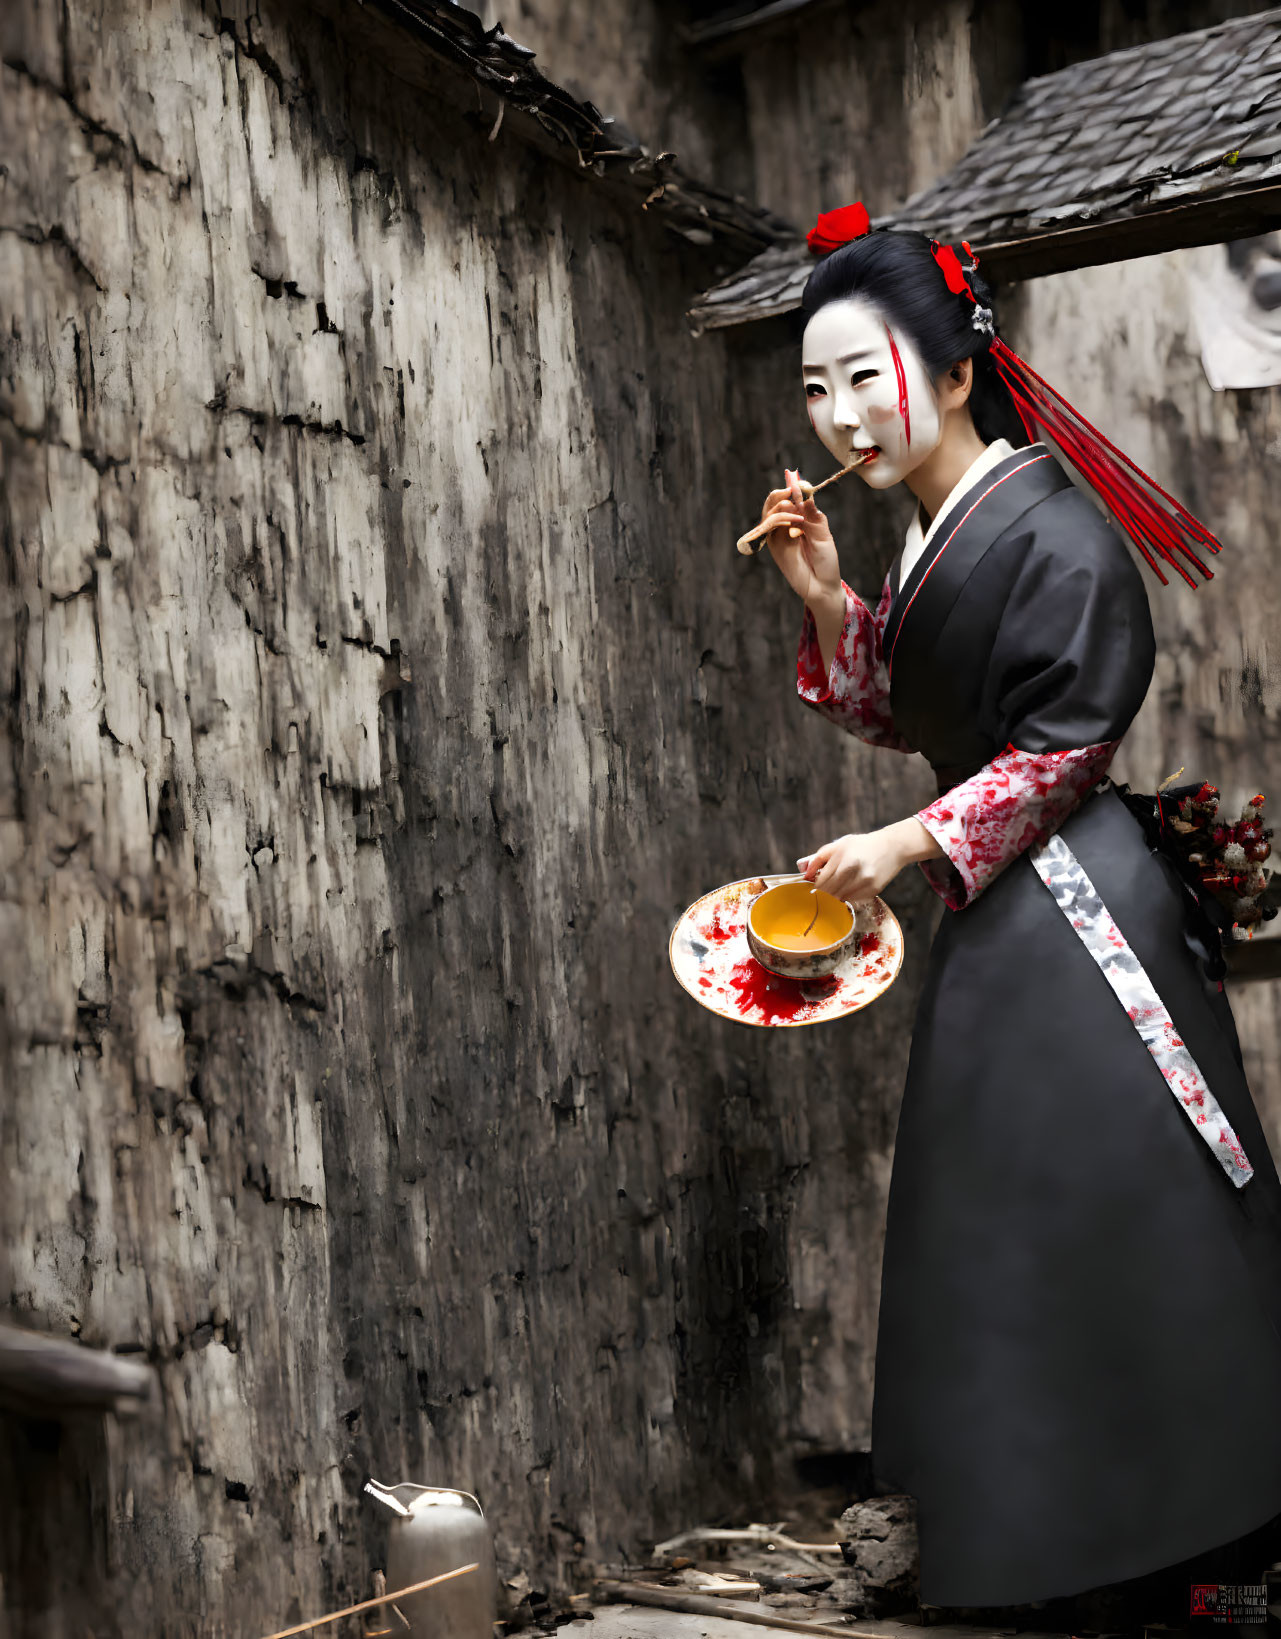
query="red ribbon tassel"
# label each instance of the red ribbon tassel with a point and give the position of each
(901, 377)
(1158, 525)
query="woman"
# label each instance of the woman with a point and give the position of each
(1078, 1370)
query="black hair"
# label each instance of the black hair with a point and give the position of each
(896, 270)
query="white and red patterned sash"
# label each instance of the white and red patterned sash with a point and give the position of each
(1079, 900)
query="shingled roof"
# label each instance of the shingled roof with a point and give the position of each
(1173, 143)
(574, 130)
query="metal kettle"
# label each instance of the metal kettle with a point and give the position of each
(437, 1529)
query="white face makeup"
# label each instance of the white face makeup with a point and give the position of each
(860, 393)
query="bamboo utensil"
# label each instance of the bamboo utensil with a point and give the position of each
(762, 529)
(369, 1604)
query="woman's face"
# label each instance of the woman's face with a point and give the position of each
(868, 387)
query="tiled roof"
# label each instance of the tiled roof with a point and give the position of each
(574, 129)
(1172, 143)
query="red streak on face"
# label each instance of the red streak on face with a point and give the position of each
(780, 1000)
(902, 386)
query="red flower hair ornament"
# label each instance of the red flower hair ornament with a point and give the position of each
(1162, 529)
(836, 228)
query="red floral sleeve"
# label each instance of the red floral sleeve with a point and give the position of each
(856, 692)
(1017, 799)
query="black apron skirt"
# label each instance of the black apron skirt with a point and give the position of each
(1078, 1367)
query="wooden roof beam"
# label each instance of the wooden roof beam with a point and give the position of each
(1145, 233)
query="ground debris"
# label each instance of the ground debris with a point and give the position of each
(795, 1569)
(539, 1613)
(879, 1544)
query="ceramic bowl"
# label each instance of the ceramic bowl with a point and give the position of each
(781, 913)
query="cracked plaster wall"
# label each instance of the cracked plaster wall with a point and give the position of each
(379, 682)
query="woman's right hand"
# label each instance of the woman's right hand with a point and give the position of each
(808, 560)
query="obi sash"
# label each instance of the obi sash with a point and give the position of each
(1079, 900)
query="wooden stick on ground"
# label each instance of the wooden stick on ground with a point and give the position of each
(643, 1593)
(762, 529)
(368, 1604)
(751, 1533)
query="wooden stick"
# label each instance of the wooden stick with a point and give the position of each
(752, 1533)
(368, 1604)
(745, 541)
(642, 1593)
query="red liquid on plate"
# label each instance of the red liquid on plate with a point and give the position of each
(716, 932)
(781, 1000)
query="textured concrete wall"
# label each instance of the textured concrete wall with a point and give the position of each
(380, 681)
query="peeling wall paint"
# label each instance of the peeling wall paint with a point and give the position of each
(381, 682)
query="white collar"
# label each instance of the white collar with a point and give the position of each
(917, 541)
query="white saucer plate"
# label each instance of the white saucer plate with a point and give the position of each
(710, 958)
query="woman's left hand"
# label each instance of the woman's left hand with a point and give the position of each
(858, 867)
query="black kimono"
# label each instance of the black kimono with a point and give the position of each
(1078, 1368)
